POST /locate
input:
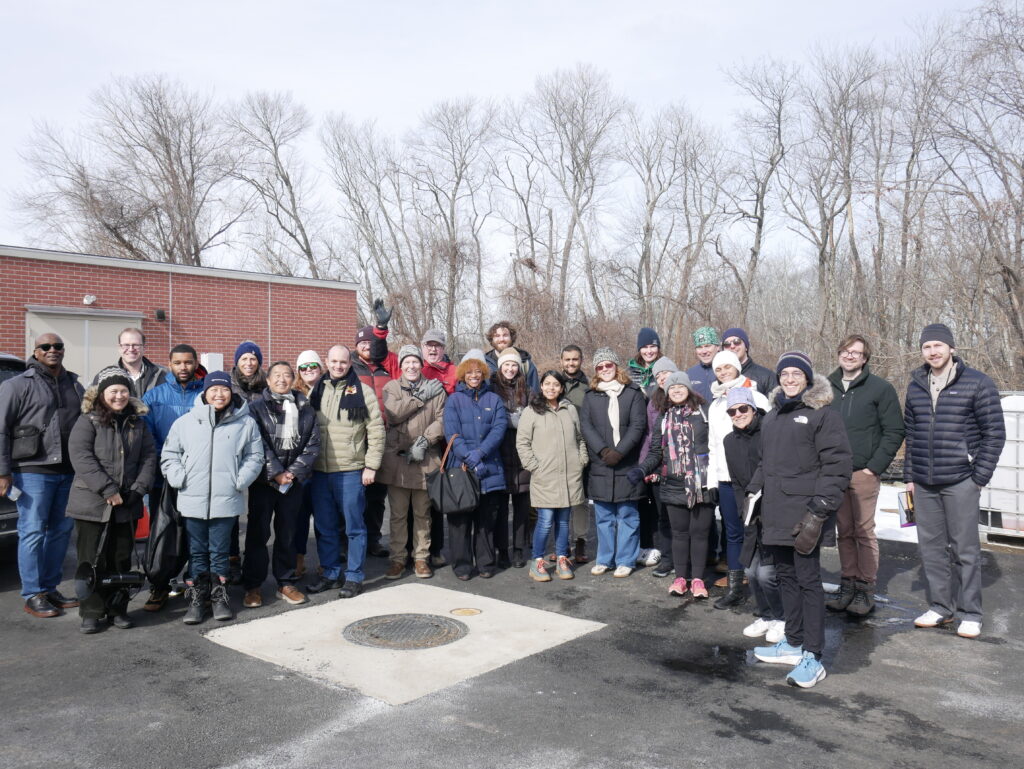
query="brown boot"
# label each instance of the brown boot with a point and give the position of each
(422, 570)
(581, 551)
(395, 570)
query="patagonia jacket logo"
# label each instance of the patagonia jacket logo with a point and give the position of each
(800, 420)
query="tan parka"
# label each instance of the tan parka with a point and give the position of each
(551, 447)
(407, 419)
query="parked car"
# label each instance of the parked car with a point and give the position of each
(10, 366)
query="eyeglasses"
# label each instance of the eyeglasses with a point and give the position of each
(58, 346)
(732, 342)
(131, 346)
(604, 366)
(308, 366)
(735, 411)
(851, 354)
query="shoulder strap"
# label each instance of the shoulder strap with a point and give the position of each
(448, 448)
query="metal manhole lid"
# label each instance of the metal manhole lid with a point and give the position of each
(405, 631)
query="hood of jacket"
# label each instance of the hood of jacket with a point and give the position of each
(89, 402)
(817, 396)
(196, 385)
(204, 412)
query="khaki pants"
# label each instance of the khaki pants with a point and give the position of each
(858, 545)
(400, 500)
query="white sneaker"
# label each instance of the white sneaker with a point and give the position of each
(777, 631)
(648, 557)
(598, 569)
(622, 571)
(757, 628)
(932, 619)
(969, 629)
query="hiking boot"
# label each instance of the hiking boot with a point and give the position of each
(678, 587)
(89, 625)
(539, 570)
(780, 654)
(863, 602)
(736, 594)
(843, 598)
(807, 672)
(219, 600)
(291, 594)
(196, 593)
(581, 551)
(422, 569)
(564, 568)
(395, 570)
(252, 599)
(698, 589)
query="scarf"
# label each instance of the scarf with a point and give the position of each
(351, 400)
(719, 389)
(680, 457)
(286, 435)
(613, 390)
(249, 386)
(644, 370)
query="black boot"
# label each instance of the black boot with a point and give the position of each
(235, 570)
(736, 594)
(219, 599)
(843, 597)
(197, 593)
(863, 602)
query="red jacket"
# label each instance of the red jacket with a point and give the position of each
(382, 368)
(443, 372)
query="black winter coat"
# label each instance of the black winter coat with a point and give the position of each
(962, 437)
(871, 412)
(112, 458)
(743, 453)
(299, 460)
(606, 483)
(673, 488)
(35, 399)
(764, 378)
(805, 456)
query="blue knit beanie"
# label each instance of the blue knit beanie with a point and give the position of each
(739, 332)
(217, 379)
(246, 347)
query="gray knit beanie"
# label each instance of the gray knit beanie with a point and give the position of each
(606, 354)
(663, 364)
(677, 378)
(407, 350)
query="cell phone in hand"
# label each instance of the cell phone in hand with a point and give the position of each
(13, 493)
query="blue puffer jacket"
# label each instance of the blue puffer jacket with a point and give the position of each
(480, 419)
(962, 437)
(168, 401)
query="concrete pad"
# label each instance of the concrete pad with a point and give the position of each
(309, 641)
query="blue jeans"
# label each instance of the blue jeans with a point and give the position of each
(545, 517)
(336, 496)
(209, 545)
(618, 533)
(732, 518)
(43, 530)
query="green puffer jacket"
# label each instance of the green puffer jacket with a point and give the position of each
(346, 445)
(871, 412)
(552, 449)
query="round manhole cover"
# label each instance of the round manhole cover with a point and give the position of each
(405, 631)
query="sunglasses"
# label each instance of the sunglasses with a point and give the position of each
(737, 410)
(58, 346)
(604, 366)
(732, 342)
(308, 366)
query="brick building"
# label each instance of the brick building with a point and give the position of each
(88, 299)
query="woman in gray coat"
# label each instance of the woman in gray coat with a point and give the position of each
(551, 447)
(211, 456)
(114, 458)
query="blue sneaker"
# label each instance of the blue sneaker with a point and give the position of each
(780, 654)
(807, 673)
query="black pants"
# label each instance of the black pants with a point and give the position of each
(115, 557)
(373, 513)
(648, 508)
(266, 505)
(803, 598)
(472, 535)
(436, 532)
(690, 538)
(663, 532)
(520, 523)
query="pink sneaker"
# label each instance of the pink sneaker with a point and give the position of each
(678, 587)
(699, 591)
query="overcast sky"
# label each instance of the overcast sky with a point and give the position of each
(390, 60)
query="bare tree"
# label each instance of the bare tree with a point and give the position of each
(151, 176)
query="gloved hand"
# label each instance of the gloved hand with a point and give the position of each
(635, 475)
(130, 497)
(418, 450)
(807, 533)
(427, 389)
(513, 418)
(381, 314)
(610, 456)
(711, 495)
(474, 458)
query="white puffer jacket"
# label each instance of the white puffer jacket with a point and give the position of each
(720, 425)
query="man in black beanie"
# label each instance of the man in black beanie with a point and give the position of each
(955, 434)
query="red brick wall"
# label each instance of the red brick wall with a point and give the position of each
(213, 314)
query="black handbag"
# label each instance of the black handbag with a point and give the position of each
(167, 546)
(26, 442)
(453, 490)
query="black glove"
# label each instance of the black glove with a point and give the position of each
(418, 450)
(635, 475)
(711, 495)
(807, 533)
(381, 314)
(427, 389)
(130, 497)
(611, 457)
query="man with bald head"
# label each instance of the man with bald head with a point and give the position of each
(38, 408)
(351, 450)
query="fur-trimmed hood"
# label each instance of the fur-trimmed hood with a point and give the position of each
(817, 396)
(89, 402)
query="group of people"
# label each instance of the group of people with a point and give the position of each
(787, 456)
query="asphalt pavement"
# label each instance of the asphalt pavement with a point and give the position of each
(667, 683)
